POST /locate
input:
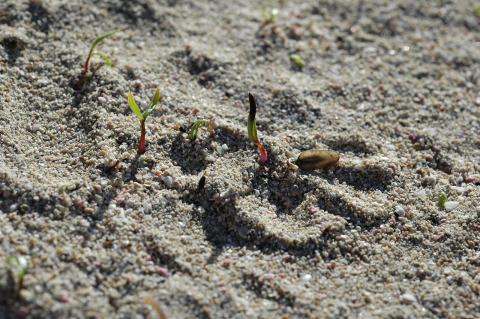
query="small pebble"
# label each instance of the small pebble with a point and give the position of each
(167, 180)
(451, 205)
(408, 299)
(400, 211)
(429, 181)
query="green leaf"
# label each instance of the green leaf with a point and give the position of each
(156, 97)
(476, 11)
(442, 199)
(297, 61)
(20, 264)
(153, 102)
(101, 38)
(193, 133)
(134, 107)
(105, 57)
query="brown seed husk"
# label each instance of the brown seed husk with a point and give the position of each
(317, 159)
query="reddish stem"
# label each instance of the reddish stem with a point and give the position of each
(263, 153)
(141, 141)
(87, 61)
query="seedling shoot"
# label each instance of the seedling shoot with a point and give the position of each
(297, 61)
(193, 132)
(142, 116)
(252, 129)
(19, 266)
(442, 199)
(84, 76)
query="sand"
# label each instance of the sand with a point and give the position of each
(393, 87)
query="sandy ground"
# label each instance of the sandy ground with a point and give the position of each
(392, 86)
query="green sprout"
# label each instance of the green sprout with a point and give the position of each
(193, 132)
(269, 15)
(252, 129)
(84, 76)
(442, 199)
(142, 116)
(105, 58)
(476, 11)
(297, 61)
(19, 266)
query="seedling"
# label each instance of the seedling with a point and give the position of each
(142, 116)
(19, 266)
(269, 15)
(193, 132)
(442, 199)
(84, 76)
(315, 159)
(297, 61)
(476, 11)
(252, 129)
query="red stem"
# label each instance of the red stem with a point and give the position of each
(87, 61)
(263, 153)
(141, 141)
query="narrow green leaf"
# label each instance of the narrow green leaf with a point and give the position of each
(153, 103)
(156, 97)
(134, 107)
(105, 57)
(297, 60)
(442, 199)
(101, 38)
(193, 133)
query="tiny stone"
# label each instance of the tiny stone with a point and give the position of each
(429, 181)
(451, 205)
(307, 277)
(407, 299)
(168, 180)
(400, 211)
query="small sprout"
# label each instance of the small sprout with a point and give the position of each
(84, 76)
(105, 58)
(252, 129)
(317, 159)
(269, 15)
(193, 132)
(142, 116)
(476, 11)
(297, 61)
(19, 266)
(442, 199)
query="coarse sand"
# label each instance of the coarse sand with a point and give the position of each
(392, 86)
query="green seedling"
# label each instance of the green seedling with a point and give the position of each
(142, 116)
(105, 58)
(19, 266)
(193, 132)
(252, 129)
(476, 11)
(297, 61)
(442, 199)
(84, 76)
(269, 15)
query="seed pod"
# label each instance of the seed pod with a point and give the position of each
(317, 159)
